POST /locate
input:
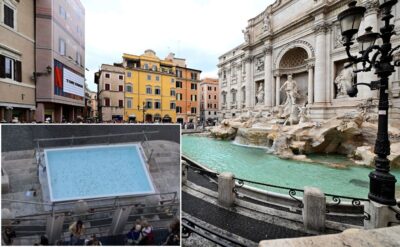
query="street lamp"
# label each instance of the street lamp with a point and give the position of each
(382, 183)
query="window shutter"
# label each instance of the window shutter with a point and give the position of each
(2, 66)
(18, 71)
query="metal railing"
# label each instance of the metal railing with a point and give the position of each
(189, 227)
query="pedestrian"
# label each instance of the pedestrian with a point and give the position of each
(76, 230)
(147, 235)
(44, 240)
(93, 241)
(174, 234)
(134, 235)
(8, 236)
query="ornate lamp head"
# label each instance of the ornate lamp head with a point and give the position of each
(367, 40)
(350, 20)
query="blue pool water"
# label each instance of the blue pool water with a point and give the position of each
(256, 165)
(92, 172)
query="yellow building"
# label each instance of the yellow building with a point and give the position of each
(149, 88)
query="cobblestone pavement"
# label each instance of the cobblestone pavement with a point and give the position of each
(230, 221)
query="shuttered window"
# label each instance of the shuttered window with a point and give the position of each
(10, 68)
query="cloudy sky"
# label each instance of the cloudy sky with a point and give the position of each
(198, 30)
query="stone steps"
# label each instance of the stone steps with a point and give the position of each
(17, 155)
(9, 165)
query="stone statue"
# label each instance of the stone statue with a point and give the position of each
(260, 94)
(290, 87)
(267, 23)
(304, 114)
(246, 34)
(344, 81)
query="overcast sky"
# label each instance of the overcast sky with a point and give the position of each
(198, 30)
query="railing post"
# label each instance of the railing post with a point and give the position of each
(119, 220)
(185, 171)
(379, 215)
(226, 184)
(314, 211)
(54, 227)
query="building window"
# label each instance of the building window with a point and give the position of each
(120, 88)
(146, 66)
(121, 103)
(193, 110)
(172, 80)
(149, 77)
(9, 16)
(157, 91)
(215, 106)
(215, 88)
(179, 84)
(179, 73)
(178, 96)
(215, 113)
(157, 105)
(121, 77)
(172, 106)
(62, 48)
(193, 86)
(233, 96)
(107, 102)
(215, 97)
(193, 76)
(10, 68)
(209, 96)
(157, 78)
(154, 68)
(129, 89)
(62, 12)
(129, 103)
(107, 75)
(129, 74)
(224, 98)
(149, 104)
(178, 109)
(173, 93)
(224, 75)
(149, 90)
(107, 87)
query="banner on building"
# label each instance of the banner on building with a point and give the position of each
(68, 83)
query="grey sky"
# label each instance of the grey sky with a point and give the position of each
(198, 30)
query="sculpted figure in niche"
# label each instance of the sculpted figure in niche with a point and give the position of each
(290, 87)
(260, 94)
(344, 81)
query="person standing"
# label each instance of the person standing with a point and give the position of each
(76, 230)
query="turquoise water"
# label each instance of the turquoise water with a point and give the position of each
(81, 173)
(256, 165)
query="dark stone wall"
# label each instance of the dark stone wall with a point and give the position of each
(21, 137)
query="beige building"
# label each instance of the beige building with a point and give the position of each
(60, 60)
(110, 88)
(17, 61)
(94, 113)
(209, 100)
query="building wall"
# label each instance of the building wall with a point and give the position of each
(56, 21)
(187, 102)
(268, 55)
(114, 94)
(17, 98)
(209, 99)
(140, 82)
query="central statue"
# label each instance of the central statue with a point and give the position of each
(290, 87)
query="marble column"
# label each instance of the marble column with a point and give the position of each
(370, 20)
(278, 90)
(310, 84)
(268, 81)
(320, 82)
(249, 81)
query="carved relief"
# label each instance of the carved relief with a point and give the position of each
(260, 64)
(321, 28)
(338, 38)
(267, 23)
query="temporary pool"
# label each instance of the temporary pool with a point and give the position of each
(96, 172)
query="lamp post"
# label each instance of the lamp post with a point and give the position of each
(379, 58)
